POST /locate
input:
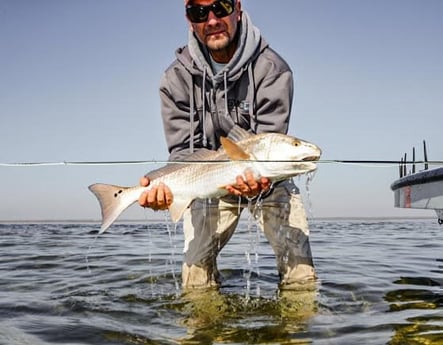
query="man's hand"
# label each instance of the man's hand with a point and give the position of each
(157, 198)
(249, 187)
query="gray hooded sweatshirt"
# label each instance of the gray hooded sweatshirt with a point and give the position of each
(253, 91)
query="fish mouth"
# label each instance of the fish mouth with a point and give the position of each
(311, 158)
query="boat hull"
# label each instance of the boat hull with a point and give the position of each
(422, 190)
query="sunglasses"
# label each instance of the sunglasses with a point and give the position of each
(200, 13)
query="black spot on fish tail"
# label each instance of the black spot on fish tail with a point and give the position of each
(116, 194)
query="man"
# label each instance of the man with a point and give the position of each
(228, 76)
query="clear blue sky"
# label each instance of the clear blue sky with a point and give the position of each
(79, 82)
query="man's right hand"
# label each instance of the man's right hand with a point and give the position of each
(158, 197)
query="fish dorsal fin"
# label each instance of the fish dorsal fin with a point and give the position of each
(237, 133)
(233, 151)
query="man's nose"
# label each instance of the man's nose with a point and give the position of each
(212, 18)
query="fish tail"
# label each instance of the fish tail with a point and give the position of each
(113, 201)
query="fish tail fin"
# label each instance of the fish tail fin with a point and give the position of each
(113, 201)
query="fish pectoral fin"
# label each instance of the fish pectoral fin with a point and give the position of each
(233, 151)
(177, 208)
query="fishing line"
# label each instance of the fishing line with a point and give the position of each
(361, 162)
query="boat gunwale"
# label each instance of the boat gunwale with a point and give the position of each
(422, 177)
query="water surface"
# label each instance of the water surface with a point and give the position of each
(380, 282)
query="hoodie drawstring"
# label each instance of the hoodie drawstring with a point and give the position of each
(225, 81)
(251, 96)
(250, 99)
(191, 115)
(205, 139)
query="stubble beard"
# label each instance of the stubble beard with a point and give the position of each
(219, 44)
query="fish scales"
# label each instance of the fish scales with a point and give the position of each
(206, 182)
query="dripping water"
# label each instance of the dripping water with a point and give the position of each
(150, 248)
(254, 208)
(172, 261)
(309, 178)
(88, 252)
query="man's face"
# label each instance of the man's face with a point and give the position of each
(216, 33)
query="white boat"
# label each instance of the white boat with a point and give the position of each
(423, 189)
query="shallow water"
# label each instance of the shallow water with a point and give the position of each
(380, 282)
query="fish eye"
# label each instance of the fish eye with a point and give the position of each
(296, 143)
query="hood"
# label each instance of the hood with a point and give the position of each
(195, 56)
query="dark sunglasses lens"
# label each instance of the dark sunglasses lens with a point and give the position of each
(197, 14)
(222, 8)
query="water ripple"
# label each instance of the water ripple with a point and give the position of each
(380, 282)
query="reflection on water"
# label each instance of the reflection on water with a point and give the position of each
(213, 316)
(424, 328)
(380, 282)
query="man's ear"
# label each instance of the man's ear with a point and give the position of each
(190, 24)
(238, 8)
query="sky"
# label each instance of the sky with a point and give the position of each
(79, 82)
